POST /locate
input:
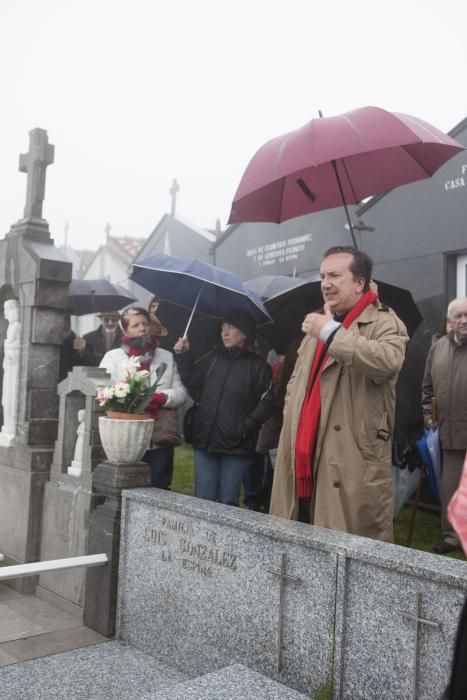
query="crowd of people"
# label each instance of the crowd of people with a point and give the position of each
(308, 435)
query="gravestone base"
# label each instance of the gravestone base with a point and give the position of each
(6, 440)
(21, 499)
(75, 469)
(115, 670)
(108, 481)
(235, 681)
(64, 534)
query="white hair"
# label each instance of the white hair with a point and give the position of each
(453, 303)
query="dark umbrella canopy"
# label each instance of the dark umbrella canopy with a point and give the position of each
(194, 284)
(336, 161)
(267, 286)
(204, 330)
(290, 308)
(97, 296)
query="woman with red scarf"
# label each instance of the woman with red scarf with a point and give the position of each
(137, 342)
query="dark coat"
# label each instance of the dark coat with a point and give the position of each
(446, 380)
(95, 345)
(234, 395)
(69, 357)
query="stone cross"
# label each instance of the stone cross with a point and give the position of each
(173, 193)
(418, 621)
(34, 163)
(283, 577)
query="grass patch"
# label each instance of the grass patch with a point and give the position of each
(183, 478)
(427, 530)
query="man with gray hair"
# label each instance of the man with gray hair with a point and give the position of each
(444, 403)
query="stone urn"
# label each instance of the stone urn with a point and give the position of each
(125, 437)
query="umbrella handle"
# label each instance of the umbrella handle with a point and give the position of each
(193, 312)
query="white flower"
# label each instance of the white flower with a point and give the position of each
(121, 390)
(142, 375)
(131, 366)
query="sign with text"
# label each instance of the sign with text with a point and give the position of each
(279, 251)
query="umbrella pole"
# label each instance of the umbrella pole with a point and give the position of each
(192, 312)
(334, 165)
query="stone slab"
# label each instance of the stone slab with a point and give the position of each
(235, 682)
(47, 644)
(102, 672)
(64, 534)
(197, 589)
(377, 646)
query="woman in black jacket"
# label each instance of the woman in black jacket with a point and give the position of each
(233, 394)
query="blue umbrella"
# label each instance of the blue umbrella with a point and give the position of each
(431, 470)
(196, 285)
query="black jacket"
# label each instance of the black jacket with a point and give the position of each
(69, 357)
(95, 344)
(234, 395)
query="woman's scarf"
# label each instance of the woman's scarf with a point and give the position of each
(308, 424)
(143, 347)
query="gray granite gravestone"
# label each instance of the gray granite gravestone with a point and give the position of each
(203, 586)
(217, 602)
(67, 497)
(34, 272)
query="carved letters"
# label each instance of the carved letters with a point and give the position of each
(180, 543)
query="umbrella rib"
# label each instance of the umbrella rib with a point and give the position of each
(416, 160)
(348, 178)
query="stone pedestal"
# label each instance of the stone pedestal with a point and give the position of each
(67, 499)
(108, 481)
(33, 271)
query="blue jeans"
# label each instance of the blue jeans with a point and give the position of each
(161, 463)
(219, 476)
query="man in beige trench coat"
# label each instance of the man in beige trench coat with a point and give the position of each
(351, 468)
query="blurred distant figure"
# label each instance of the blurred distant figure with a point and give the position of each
(445, 381)
(155, 326)
(108, 336)
(73, 351)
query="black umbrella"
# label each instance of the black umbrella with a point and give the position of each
(97, 296)
(289, 308)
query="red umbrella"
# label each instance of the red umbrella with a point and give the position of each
(335, 161)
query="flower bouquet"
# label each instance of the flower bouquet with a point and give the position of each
(133, 393)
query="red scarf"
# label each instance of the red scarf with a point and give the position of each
(308, 424)
(143, 347)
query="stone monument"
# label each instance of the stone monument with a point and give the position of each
(68, 493)
(10, 384)
(36, 274)
(76, 466)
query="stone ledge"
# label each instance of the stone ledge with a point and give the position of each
(106, 670)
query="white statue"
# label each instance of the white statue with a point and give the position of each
(10, 387)
(77, 464)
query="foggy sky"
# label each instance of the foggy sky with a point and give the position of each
(136, 92)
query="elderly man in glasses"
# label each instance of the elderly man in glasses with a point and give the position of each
(444, 402)
(107, 336)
